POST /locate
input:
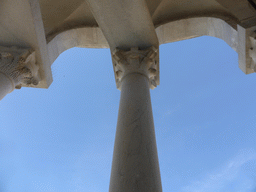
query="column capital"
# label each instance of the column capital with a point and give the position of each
(135, 60)
(19, 65)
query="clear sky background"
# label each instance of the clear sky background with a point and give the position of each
(61, 139)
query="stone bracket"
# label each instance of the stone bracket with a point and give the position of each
(136, 61)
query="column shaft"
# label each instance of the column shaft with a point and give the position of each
(135, 166)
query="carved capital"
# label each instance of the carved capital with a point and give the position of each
(20, 66)
(144, 62)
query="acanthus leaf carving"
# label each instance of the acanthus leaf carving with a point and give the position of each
(20, 66)
(136, 61)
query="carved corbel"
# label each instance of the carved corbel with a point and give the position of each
(20, 66)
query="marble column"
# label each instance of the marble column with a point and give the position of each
(135, 166)
(17, 68)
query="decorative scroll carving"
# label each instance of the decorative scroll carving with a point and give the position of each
(20, 66)
(136, 61)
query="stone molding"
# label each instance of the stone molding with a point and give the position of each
(20, 66)
(136, 61)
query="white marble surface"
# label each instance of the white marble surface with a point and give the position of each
(135, 164)
(87, 37)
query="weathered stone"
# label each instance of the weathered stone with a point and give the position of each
(135, 164)
(19, 66)
(136, 61)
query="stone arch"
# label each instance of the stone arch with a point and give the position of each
(196, 27)
(240, 39)
(88, 37)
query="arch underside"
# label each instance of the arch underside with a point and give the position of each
(50, 27)
(241, 40)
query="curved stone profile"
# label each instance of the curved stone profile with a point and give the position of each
(87, 37)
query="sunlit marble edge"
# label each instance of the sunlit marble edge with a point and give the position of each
(87, 37)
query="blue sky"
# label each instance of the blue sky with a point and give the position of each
(61, 139)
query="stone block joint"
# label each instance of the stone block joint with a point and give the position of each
(135, 60)
(19, 65)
